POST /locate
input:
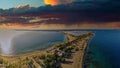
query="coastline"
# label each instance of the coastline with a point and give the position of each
(80, 55)
(75, 63)
(86, 50)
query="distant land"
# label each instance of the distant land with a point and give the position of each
(59, 29)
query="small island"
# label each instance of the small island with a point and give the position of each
(69, 54)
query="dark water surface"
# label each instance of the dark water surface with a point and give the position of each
(104, 49)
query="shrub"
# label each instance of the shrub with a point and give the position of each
(42, 56)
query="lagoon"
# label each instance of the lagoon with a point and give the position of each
(14, 42)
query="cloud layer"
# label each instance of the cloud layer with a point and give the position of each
(72, 15)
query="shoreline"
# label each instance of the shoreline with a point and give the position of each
(81, 43)
(86, 50)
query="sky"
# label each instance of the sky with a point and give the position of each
(6, 4)
(60, 14)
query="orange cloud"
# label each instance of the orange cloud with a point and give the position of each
(57, 2)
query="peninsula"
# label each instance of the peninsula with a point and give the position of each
(69, 54)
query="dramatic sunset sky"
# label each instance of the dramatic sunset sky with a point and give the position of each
(60, 14)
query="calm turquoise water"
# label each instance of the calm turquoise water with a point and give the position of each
(104, 49)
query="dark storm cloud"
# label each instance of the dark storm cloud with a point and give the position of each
(68, 14)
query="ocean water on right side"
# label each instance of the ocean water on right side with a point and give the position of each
(103, 50)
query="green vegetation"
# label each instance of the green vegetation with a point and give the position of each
(21, 62)
(1, 61)
(52, 61)
(42, 57)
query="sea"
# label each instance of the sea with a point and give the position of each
(104, 49)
